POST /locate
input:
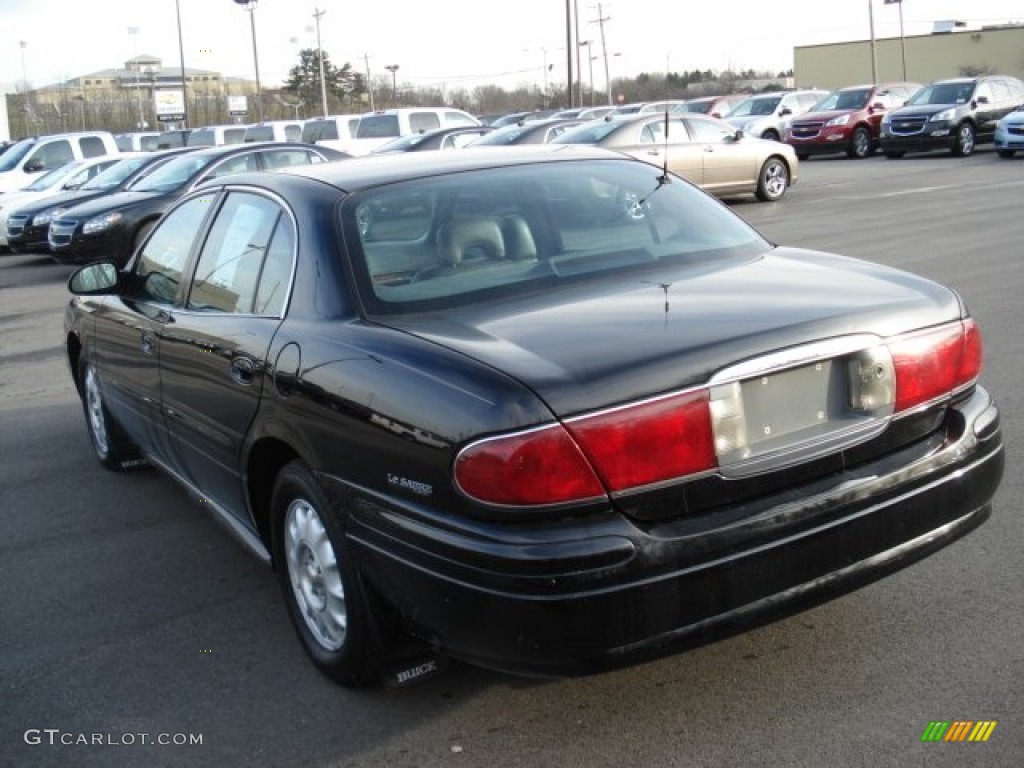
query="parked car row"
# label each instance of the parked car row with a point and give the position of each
(113, 217)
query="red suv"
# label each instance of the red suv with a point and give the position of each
(847, 120)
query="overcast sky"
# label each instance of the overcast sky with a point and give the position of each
(455, 43)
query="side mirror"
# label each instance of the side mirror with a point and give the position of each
(739, 134)
(785, 111)
(34, 165)
(95, 279)
(981, 100)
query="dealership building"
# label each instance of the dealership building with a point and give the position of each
(949, 51)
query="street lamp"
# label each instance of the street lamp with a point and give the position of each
(393, 69)
(250, 6)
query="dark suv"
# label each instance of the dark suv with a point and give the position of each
(955, 114)
(847, 120)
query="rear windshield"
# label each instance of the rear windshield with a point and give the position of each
(467, 237)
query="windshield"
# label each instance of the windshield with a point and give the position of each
(174, 174)
(508, 134)
(10, 159)
(852, 99)
(52, 178)
(943, 93)
(760, 105)
(468, 237)
(116, 173)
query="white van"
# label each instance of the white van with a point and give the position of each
(20, 164)
(217, 135)
(139, 141)
(334, 131)
(376, 128)
(275, 130)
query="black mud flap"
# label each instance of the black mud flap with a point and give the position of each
(414, 670)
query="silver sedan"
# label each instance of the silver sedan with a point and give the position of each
(705, 150)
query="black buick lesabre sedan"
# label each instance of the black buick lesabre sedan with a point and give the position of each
(545, 410)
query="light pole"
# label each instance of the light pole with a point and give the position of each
(393, 69)
(134, 32)
(590, 57)
(317, 13)
(26, 104)
(184, 87)
(250, 6)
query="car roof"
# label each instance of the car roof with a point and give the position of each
(372, 170)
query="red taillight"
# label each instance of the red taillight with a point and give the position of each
(647, 443)
(934, 364)
(543, 466)
(626, 448)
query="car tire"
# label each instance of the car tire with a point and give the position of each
(894, 154)
(964, 144)
(322, 587)
(860, 144)
(772, 180)
(113, 447)
(1006, 154)
(770, 135)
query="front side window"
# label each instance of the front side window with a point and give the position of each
(231, 261)
(53, 154)
(159, 264)
(705, 130)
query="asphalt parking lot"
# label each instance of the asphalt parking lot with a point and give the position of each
(129, 618)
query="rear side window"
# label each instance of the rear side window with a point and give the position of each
(229, 267)
(378, 127)
(457, 118)
(292, 132)
(420, 122)
(234, 135)
(92, 146)
(315, 130)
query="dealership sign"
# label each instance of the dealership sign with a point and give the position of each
(238, 105)
(169, 105)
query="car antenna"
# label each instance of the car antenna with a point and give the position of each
(664, 178)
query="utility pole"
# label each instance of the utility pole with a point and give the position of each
(874, 54)
(369, 82)
(601, 19)
(568, 54)
(317, 13)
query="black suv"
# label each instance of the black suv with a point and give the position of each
(955, 114)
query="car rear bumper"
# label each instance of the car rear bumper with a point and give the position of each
(575, 597)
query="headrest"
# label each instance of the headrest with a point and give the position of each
(470, 237)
